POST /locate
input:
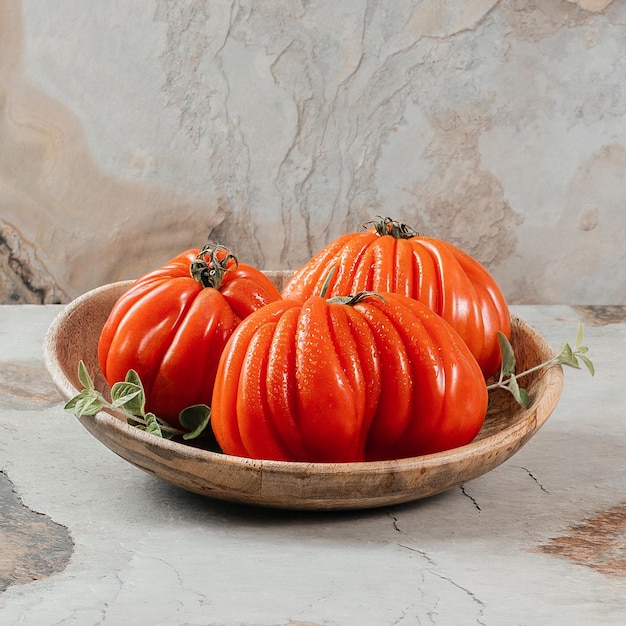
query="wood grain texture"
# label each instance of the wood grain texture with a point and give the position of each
(74, 335)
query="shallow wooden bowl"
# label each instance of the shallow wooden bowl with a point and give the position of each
(74, 334)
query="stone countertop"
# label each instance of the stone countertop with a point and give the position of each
(86, 538)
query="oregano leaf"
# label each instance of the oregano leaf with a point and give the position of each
(136, 403)
(514, 388)
(133, 377)
(567, 357)
(128, 395)
(524, 398)
(138, 406)
(195, 419)
(508, 357)
(85, 403)
(152, 425)
(84, 377)
(579, 336)
(587, 361)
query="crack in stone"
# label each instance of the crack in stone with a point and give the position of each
(534, 478)
(112, 602)
(462, 487)
(472, 596)
(431, 566)
(406, 612)
(422, 553)
(395, 522)
(103, 614)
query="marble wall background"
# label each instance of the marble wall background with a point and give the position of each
(130, 131)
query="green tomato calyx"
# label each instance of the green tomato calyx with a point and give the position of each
(210, 265)
(387, 226)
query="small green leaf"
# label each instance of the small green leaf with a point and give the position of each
(521, 395)
(588, 363)
(579, 336)
(152, 425)
(147, 424)
(524, 398)
(508, 357)
(195, 419)
(567, 357)
(137, 405)
(85, 403)
(513, 387)
(128, 395)
(167, 432)
(84, 377)
(133, 377)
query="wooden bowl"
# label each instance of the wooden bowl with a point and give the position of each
(74, 334)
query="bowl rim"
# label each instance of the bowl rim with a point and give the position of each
(68, 390)
(511, 437)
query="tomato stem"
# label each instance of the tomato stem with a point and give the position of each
(387, 226)
(208, 268)
(355, 299)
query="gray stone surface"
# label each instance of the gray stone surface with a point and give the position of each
(537, 541)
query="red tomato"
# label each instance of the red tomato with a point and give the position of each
(392, 257)
(329, 381)
(172, 324)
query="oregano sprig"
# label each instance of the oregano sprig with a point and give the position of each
(129, 397)
(508, 379)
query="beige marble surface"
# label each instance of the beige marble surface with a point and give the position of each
(132, 131)
(87, 538)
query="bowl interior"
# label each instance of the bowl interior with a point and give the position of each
(73, 336)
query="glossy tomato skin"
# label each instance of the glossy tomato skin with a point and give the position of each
(171, 330)
(325, 381)
(435, 272)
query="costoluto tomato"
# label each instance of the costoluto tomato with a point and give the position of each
(390, 256)
(371, 377)
(173, 323)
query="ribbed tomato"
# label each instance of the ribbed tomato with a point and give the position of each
(391, 257)
(172, 324)
(346, 379)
